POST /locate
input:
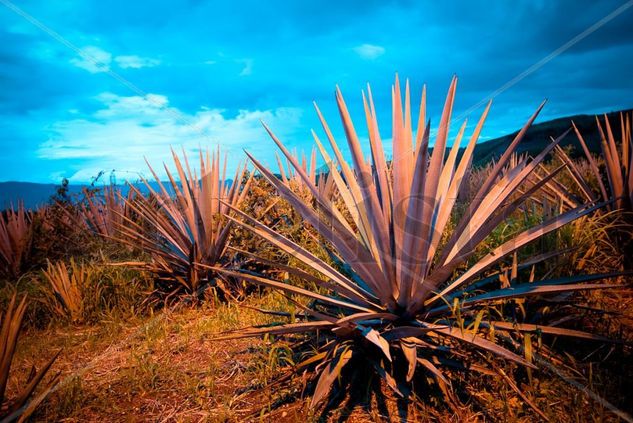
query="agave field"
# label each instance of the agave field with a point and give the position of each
(390, 279)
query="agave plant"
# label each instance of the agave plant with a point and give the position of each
(291, 177)
(288, 174)
(182, 224)
(15, 240)
(405, 291)
(68, 287)
(18, 405)
(616, 183)
(556, 192)
(104, 213)
(618, 157)
(550, 192)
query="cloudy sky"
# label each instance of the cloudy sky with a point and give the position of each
(89, 86)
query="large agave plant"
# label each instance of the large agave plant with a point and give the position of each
(15, 240)
(18, 405)
(182, 226)
(406, 292)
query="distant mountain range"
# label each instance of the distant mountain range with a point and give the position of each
(537, 137)
(29, 193)
(33, 195)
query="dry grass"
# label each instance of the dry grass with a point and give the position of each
(166, 367)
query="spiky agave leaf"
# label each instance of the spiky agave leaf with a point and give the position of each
(618, 157)
(411, 288)
(15, 240)
(289, 176)
(182, 221)
(103, 212)
(616, 182)
(11, 322)
(549, 193)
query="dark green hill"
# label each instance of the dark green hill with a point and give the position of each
(538, 136)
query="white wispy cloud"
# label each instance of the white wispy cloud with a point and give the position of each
(369, 51)
(124, 130)
(136, 62)
(93, 59)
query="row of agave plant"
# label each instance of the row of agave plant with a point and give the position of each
(405, 290)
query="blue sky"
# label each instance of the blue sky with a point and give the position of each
(199, 73)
